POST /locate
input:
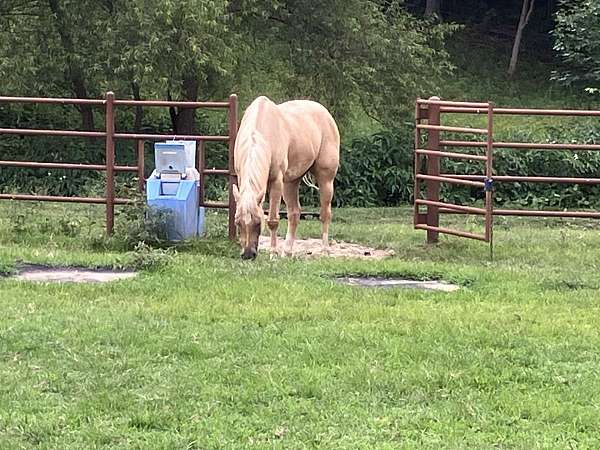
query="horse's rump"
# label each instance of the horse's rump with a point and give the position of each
(314, 138)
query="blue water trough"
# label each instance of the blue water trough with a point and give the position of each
(173, 189)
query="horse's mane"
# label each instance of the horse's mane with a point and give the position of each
(257, 162)
(256, 166)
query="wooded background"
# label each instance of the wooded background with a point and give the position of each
(366, 60)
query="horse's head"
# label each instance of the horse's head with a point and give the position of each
(248, 218)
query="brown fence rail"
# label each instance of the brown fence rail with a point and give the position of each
(431, 111)
(110, 136)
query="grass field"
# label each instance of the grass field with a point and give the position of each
(209, 352)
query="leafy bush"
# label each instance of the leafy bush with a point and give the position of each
(583, 164)
(376, 170)
(145, 257)
(88, 151)
(6, 269)
(576, 40)
(138, 224)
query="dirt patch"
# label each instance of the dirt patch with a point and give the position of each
(398, 282)
(70, 274)
(311, 248)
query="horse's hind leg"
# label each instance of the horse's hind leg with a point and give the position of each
(292, 203)
(325, 182)
(275, 193)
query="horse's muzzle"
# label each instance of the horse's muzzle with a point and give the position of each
(249, 253)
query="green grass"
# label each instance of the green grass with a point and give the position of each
(209, 352)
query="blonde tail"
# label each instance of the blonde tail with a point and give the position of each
(309, 181)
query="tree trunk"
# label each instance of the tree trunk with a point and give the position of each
(139, 111)
(74, 71)
(184, 119)
(433, 9)
(526, 11)
(87, 112)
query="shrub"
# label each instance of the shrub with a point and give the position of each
(377, 170)
(139, 224)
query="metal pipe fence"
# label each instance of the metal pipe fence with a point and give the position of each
(109, 135)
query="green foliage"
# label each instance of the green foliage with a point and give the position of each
(577, 40)
(52, 47)
(146, 257)
(366, 60)
(376, 170)
(583, 164)
(109, 45)
(344, 54)
(139, 225)
(6, 269)
(167, 46)
(477, 58)
(50, 181)
(86, 151)
(348, 53)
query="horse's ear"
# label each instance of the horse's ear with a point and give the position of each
(236, 193)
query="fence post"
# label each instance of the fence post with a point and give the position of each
(232, 116)
(110, 163)
(140, 165)
(417, 165)
(200, 166)
(433, 168)
(489, 174)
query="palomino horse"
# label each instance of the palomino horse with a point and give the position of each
(276, 146)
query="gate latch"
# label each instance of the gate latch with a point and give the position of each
(489, 184)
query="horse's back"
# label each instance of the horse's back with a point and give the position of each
(300, 118)
(301, 114)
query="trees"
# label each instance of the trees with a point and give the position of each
(48, 48)
(433, 8)
(162, 48)
(577, 40)
(349, 53)
(179, 49)
(526, 10)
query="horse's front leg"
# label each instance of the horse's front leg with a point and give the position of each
(275, 194)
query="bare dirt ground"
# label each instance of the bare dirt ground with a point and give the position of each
(311, 248)
(70, 274)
